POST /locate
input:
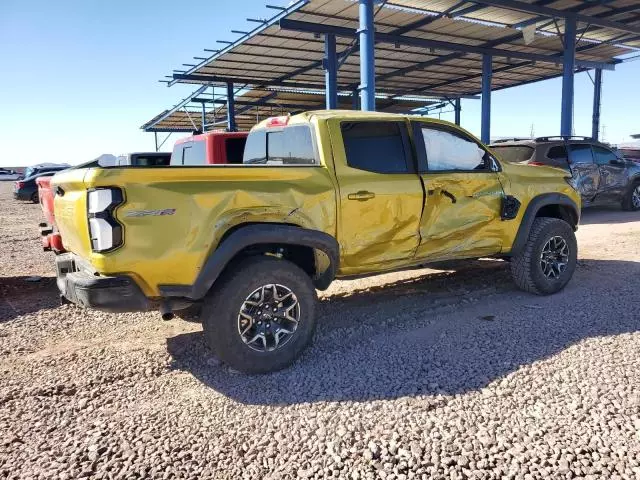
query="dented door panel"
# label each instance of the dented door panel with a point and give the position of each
(379, 214)
(461, 216)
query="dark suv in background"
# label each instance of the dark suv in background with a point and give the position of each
(27, 189)
(600, 174)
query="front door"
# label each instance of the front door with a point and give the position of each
(380, 195)
(461, 217)
(613, 175)
(584, 171)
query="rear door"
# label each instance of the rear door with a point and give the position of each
(613, 174)
(380, 194)
(584, 170)
(462, 211)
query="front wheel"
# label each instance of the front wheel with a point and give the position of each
(547, 262)
(631, 200)
(260, 315)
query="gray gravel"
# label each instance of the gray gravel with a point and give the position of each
(450, 374)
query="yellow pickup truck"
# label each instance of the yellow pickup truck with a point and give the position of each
(319, 196)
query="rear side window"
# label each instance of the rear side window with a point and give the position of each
(235, 149)
(380, 147)
(603, 156)
(580, 153)
(288, 146)
(513, 153)
(559, 152)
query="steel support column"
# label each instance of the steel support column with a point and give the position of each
(487, 73)
(367, 56)
(330, 71)
(597, 98)
(355, 104)
(155, 135)
(566, 123)
(231, 108)
(457, 109)
(204, 116)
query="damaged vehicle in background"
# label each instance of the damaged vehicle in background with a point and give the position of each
(319, 196)
(600, 174)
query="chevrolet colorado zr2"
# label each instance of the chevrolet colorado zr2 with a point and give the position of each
(319, 196)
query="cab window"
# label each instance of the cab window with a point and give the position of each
(379, 147)
(446, 150)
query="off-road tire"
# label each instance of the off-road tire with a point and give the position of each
(526, 270)
(222, 306)
(627, 201)
(35, 198)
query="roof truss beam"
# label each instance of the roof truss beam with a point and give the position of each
(300, 26)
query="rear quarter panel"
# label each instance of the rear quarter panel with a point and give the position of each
(206, 203)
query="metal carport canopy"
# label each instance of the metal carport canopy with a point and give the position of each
(425, 46)
(252, 106)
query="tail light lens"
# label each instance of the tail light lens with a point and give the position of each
(537, 164)
(104, 229)
(19, 184)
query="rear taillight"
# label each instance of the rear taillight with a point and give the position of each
(104, 229)
(537, 164)
(19, 184)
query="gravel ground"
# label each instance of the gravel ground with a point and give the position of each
(427, 374)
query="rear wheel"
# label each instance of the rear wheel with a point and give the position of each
(631, 200)
(261, 315)
(34, 197)
(547, 262)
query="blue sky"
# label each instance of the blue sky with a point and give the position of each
(80, 77)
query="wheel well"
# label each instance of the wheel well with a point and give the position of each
(563, 212)
(301, 255)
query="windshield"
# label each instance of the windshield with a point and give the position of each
(513, 153)
(28, 172)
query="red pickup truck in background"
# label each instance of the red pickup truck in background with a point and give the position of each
(210, 148)
(51, 239)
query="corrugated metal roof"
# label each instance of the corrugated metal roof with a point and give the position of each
(255, 105)
(270, 54)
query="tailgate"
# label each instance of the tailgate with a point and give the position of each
(70, 210)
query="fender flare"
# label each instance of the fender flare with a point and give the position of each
(257, 234)
(532, 210)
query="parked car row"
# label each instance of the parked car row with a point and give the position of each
(7, 174)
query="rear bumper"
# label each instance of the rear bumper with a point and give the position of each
(78, 284)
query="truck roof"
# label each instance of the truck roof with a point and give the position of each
(306, 117)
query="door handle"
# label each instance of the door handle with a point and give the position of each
(361, 196)
(449, 195)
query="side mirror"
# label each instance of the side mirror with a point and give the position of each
(617, 162)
